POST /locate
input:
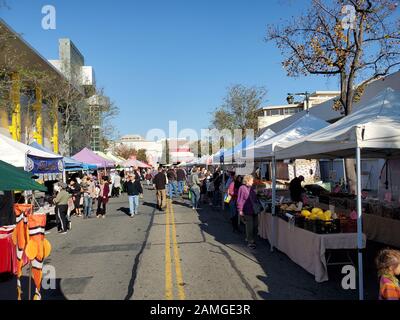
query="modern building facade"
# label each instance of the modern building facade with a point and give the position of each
(71, 63)
(27, 110)
(164, 151)
(271, 114)
(153, 148)
(31, 105)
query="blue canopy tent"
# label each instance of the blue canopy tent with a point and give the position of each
(72, 165)
(69, 163)
(237, 150)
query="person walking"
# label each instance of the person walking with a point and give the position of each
(181, 177)
(232, 191)
(74, 189)
(246, 207)
(103, 198)
(62, 204)
(134, 190)
(172, 184)
(160, 182)
(194, 183)
(89, 193)
(217, 179)
(148, 177)
(116, 185)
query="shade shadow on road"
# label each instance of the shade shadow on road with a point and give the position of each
(124, 210)
(8, 289)
(283, 278)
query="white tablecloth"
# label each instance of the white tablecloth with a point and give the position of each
(383, 230)
(305, 248)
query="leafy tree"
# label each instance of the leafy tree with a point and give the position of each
(125, 152)
(240, 109)
(141, 155)
(356, 41)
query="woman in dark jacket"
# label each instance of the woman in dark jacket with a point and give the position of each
(103, 198)
(245, 204)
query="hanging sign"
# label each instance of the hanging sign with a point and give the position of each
(38, 165)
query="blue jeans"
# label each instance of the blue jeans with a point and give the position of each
(195, 196)
(87, 206)
(133, 204)
(172, 186)
(181, 184)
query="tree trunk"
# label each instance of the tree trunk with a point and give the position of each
(351, 175)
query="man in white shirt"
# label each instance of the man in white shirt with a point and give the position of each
(116, 185)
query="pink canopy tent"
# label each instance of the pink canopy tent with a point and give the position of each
(135, 163)
(88, 156)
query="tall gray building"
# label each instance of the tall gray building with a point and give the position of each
(72, 64)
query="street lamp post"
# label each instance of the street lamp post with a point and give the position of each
(290, 98)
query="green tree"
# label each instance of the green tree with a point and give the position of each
(141, 155)
(360, 45)
(125, 152)
(239, 109)
(356, 41)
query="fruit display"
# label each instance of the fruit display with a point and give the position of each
(317, 214)
(290, 207)
(313, 219)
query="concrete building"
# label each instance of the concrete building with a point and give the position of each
(71, 63)
(372, 177)
(153, 149)
(178, 150)
(271, 114)
(25, 115)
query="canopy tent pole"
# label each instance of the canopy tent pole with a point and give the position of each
(344, 174)
(359, 226)
(273, 207)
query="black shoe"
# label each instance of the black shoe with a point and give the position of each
(252, 245)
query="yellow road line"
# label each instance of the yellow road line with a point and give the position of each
(178, 270)
(168, 266)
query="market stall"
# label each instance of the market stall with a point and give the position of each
(372, 130)
(46, 165)
(69, 163)
(236, 152)
(11, 179)
(306, 248)
(266, 149)
(135, 163)
(88, 156)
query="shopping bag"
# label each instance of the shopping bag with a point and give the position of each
(227, 198)
(257, 207)
(190, 195)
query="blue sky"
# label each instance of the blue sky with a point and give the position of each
(162, 60)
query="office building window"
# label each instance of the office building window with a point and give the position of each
(275, 112)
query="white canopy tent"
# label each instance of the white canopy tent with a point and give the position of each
(266, 149)
(373, 129)
(297, 130)
(14, 152)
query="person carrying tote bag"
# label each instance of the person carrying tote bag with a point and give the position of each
(246, 206)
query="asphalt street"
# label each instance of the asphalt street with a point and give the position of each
(176, 254)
